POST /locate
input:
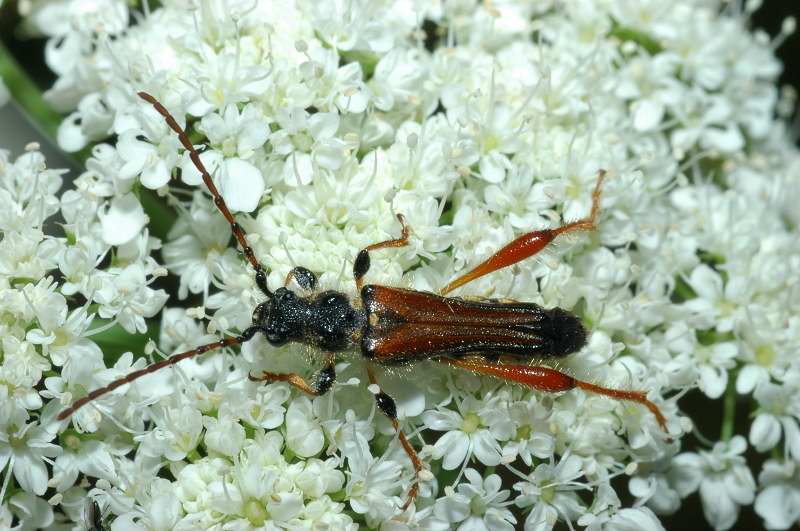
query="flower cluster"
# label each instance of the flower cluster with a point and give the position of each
(478, 122)
(52, 290)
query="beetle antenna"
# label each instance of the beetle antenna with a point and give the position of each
(236, 229)
(153, 367)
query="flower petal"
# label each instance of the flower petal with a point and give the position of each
(241, 185)
(123, 221)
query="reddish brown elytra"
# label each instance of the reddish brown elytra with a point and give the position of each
(392, 326)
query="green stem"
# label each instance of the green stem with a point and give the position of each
(729, 410)
(161, 215)
(194, 456)
(27, 95)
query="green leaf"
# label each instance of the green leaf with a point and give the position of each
(116, 341)
(627, 34)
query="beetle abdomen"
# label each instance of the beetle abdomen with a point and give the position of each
(406, 325)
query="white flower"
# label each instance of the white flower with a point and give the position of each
(152, 163)
(240, 183)
(373, 488)
(160, 507)
(778, 503)
(193, 482)
(655, 489)
(22, 365)
(303, 433)
(479, 504)
(724, 480)
(716, 305)
(89, 457)
(23, 448)
(224, 435)
(550, 489)
(319, 477)
(520, 199)
(635, 519)
(181, 332)
(531, 438)
(237, 133)
(196, 242)
(711, 363)
(266, 408)
(397, 77)
(177, 432)
(778, 414)
(32, 512)
(127, 297)
(707, 121)
(123, 220)
(651, 85)
(308, 142)
(473, 430)
(323, 513)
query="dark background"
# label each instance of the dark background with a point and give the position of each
(768, 18)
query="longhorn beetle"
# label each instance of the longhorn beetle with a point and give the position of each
(393, 326)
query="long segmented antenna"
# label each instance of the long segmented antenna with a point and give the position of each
(236, 229)
(153, 367)
(238, 233)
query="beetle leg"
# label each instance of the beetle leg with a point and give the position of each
(389, 408)
(550, 381)
(304, 278)
(529, 244)
(361, 265)
(324, 381)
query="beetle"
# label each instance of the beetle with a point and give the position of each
(94, 519)
(393, 326)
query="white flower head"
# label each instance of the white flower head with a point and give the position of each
(479, 122)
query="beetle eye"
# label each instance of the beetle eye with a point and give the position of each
(261, 313)
(276, 335)
(276, 340)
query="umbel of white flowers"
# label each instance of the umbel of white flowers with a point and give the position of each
(478, 122)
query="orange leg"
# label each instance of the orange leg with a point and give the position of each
(325, 379)
(529, 244)
(550, 381)
(387, 405)
(361, 265)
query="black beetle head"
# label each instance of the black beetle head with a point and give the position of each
(282, 317)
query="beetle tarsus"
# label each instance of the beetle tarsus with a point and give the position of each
(324, 381)
(362, 263)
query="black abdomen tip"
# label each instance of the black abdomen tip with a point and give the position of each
(566, 332)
